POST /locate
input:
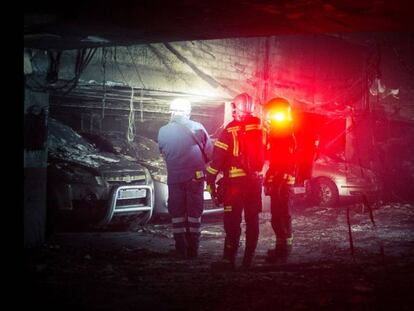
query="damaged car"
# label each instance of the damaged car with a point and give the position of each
(334, 178)
(97, 186)
(146, 152)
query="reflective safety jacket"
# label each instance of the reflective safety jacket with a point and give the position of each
(239, 150)
(182, 154)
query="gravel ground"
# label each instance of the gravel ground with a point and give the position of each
(134, 270)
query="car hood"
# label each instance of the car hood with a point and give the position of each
(66, 145)
(123, 165)
(143, 149)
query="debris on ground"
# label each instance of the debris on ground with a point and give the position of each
(134, 270)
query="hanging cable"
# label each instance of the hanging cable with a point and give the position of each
(119, 69)
(135, 66)
(83, 57)
(141, 106)
(131, 119)
(104, 81)
(351, 240)
(53, 71)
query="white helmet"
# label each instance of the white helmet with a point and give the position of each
(180, 106)
(242, 106)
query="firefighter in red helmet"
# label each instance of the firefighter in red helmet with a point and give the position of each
(239, 154)
(280, 149)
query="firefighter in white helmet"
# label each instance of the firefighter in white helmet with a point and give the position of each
(239, 155)
(186, 148)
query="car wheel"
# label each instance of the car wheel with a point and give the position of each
(324, 192)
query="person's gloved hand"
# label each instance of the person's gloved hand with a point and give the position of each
(211, 188)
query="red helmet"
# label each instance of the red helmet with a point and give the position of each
(242, 105)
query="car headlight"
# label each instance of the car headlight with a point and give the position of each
(160, 178)
(99, 180)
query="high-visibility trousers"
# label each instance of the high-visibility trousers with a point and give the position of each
(185, 205)
(241, 194)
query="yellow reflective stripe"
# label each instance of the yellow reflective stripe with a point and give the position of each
(251, 127)
(236, 172)
(221, 145)
(227, 208)
(199, 174)
(289, 241)
(212, 170)
(233, 128)
(237, 175)
(208, 188)
(235, 144)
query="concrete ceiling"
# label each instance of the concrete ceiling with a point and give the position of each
(69, 25)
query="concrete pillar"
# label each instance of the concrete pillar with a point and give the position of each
(35, 160)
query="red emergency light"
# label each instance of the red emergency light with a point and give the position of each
(279, 117)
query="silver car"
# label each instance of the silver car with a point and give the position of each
(333, 178)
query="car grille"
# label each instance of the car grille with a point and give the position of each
(137, 179)
(131, 203)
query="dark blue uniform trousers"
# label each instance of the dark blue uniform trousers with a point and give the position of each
(185, 205)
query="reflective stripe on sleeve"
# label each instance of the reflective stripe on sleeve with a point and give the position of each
(221, 145)
(212, 170)
(236, 172)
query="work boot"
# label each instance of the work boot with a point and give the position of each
(228, 263)
(279, 254)
(247, 260)
(192, 253)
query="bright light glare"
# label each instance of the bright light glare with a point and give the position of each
(279, 116)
